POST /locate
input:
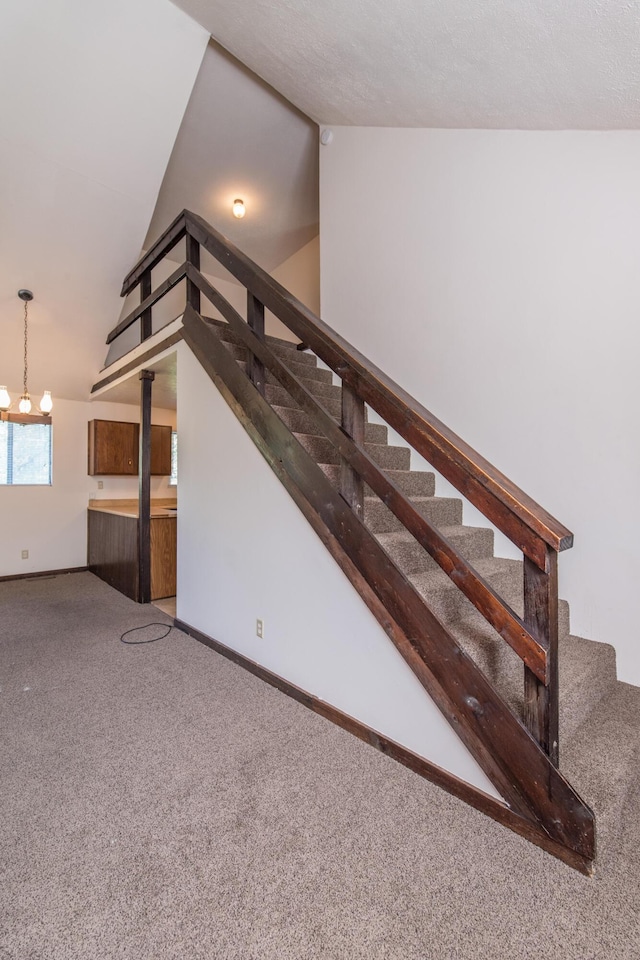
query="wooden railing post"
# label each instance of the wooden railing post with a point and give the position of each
(541, 700)
(255, 319)
(193, 257)
(145, 319)
(144, 488)
(351, 483)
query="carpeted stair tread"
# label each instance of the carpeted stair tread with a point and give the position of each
(323, 451)
(320, 386)
(277, 344)
(300, 422)
(331, 398)
(588, 675)
(505, 576)
(602, 760)
(413, 483)
(470, 542)
(441, 511)
(305, 372)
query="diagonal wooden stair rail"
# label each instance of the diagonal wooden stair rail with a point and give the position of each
(521, 763)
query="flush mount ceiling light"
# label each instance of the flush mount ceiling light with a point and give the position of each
(238, 209)
(24, 405)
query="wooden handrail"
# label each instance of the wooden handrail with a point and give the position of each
(476, 589)
(146, 304)
(518, 516)
(166, 242)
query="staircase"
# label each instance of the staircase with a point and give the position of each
(587, 669)
(599, 715)
(465, 621)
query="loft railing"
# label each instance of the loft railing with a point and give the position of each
(477, 711)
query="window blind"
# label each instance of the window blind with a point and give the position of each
(25, 453)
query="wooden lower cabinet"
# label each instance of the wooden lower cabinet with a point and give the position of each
(113, 553)
(163, 557)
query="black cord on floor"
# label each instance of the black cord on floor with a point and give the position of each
(144, 627)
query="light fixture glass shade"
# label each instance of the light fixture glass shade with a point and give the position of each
(5, 399)
(238, 209)
(25, 403)
(46, 404)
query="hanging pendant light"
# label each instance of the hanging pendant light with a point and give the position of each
(24, 404)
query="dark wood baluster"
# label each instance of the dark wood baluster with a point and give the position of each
(541, 619)
(145, 319)
(255, 319)
(351, 484)
(193, 256)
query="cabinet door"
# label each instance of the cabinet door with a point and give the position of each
(160, 451)
(163, 557)
(113, 448)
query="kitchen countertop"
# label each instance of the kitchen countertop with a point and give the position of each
(129, 508)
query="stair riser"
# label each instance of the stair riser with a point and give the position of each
(331, 399)
(471, 542)
(587, 675)
(323, 451)
(240, 352)
(453, 608)
(505, 670)
(283, 348)
(306, 374)
(301, 422)
(411, 483)
(607, 785)
(319, 388)
(441, 511)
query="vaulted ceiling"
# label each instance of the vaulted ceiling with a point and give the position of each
(88, 118)
(240, 138)
(533, 64)
(94, 95)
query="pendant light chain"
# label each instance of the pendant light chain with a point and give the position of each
(24, 405)
(26, 312)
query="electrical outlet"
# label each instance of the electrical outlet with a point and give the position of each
(25, 554)
(100, 484)
(260, 628)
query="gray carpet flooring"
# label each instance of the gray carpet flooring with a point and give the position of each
(159, 802)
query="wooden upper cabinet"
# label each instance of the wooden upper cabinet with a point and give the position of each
(114, 448)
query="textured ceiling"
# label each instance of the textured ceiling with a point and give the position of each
(239, 138)
(533, 64)
(164, 391)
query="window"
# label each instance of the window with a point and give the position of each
(25, 453)
(173, 479)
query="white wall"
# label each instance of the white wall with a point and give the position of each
(92, 99)
(245, 551)
(51, 521)
(300, 275)
(494, 274)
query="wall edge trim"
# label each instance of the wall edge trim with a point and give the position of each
(35, 574)
(447, 781)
